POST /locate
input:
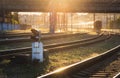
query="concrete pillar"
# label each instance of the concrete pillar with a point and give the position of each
(1, 27)
(53, 20)
(2, 20)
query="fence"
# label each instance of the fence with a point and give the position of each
(5, 26)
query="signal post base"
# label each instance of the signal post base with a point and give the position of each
(37, 51)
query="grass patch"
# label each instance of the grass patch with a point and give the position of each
(67, 57)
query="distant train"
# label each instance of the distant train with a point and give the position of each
(98, 26)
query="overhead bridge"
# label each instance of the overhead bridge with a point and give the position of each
(90, 6)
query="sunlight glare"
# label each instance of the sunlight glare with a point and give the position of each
(60, 69)
(80, 14)
(30, 13)
(59, 30)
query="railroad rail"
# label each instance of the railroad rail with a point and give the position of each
(104, 65)
(117, 75)
(4, 36)
(57, 46)
(44, 37)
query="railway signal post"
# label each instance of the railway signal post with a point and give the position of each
(37, 46)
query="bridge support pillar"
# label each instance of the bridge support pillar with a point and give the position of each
(2, 19)
(53, 20)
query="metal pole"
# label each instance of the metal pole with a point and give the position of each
(64, 18)
(71, 22)
(44, 17)
(94, 19)
(66, 15)
(114, 19)
(106, 21)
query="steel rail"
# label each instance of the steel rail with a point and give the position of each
(117, 75)
(6, 41)
(4, 35)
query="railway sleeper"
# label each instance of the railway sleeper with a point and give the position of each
(99, 76)
(77, 76)
(89, 75)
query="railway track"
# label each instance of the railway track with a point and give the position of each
(117, 75)
(57, 46)
(44, 37)
(11, 35)
(4, 35)
(105, 65)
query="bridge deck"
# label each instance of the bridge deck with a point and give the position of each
(61, 5)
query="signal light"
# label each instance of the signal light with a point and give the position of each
(36, 35)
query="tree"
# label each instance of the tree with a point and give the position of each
(15, 19)
(115, 23)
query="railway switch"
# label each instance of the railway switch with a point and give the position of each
(37, 46)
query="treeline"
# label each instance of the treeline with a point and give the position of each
(115, 24)
(9, 17)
